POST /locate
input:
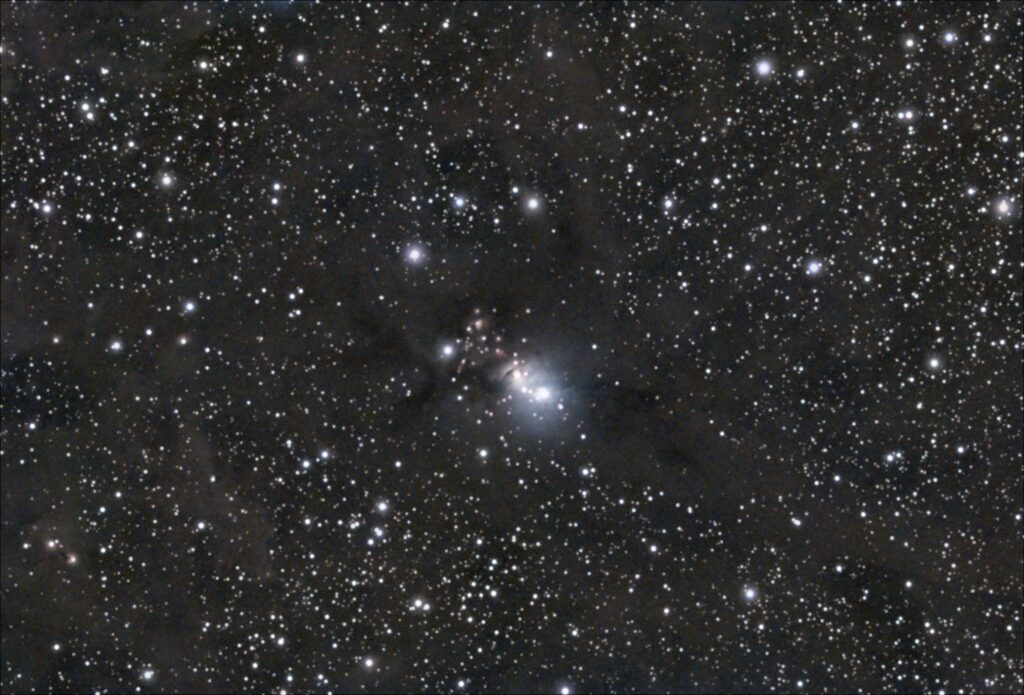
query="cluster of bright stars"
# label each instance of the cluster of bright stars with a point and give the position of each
(528, 383)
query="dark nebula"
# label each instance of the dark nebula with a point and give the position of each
(511, 347)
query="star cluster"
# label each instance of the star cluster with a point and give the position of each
(509, 347)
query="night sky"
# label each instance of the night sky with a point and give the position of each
(512, 347)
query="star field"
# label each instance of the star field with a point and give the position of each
(511, 347)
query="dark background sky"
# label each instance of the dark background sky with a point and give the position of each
(511, 347)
